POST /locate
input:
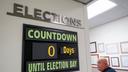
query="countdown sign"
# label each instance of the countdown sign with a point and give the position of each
(49, 50)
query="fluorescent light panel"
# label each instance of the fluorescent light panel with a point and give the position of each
(99, 7)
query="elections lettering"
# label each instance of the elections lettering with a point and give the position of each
(20, 10)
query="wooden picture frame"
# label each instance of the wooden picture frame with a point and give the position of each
(94, 59)
(115, 62)
(107, 58)
(124, 61)
(93, 47)
(124, 47)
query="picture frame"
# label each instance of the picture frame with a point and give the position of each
(93, 47)
(124, 47)
(124, 61)
(112, 48)
(100, 48)
(115, 62)
(94, 59)
(107, 58)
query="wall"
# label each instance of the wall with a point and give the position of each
(11, 30)
(116, 31)
(113, 32)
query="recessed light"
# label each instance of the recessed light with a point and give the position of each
(99, 7)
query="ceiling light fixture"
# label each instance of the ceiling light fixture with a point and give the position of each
(99, 7)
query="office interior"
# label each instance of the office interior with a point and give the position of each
(101, 36)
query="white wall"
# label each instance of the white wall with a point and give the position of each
(116, 31)
(11, 30)
(113, 32)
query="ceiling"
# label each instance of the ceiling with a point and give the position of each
(120, 11)
(83, 1)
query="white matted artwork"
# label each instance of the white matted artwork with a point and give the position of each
(112, 48)
(94, 59)
(93, 48)
(100, 47)
(124, 47)
(115, 62)
(124, 60)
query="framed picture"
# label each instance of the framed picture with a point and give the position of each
(100, 47)
(124, 60)
(94, 59)
(124, 47)
(107, 58)
(112, 48)
(115, 62)
(93, 48)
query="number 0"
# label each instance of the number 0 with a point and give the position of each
(51, 51)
